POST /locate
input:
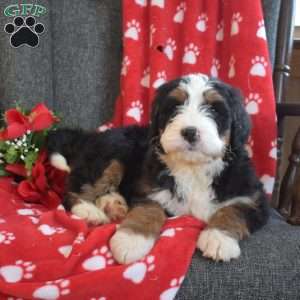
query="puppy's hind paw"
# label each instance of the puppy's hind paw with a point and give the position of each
(90, 213)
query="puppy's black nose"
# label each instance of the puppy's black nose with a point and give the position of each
(189, 134)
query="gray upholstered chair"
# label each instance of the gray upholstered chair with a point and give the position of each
(82, 82)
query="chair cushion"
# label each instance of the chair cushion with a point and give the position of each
(269, 268)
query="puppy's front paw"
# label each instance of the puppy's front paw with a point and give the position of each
(128, 246)
(217, 245)
(90, 213)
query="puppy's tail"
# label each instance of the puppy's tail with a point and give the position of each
(63, 145)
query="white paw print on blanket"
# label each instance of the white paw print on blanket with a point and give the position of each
(273, 151)
(180, 10)
(145, 81)
(220, 32)
(169, 48)
(53, 290)
(100, 298)
(6, 237)
(2, 221)
(252, 103)
(31, 213)
(231, 72)
(133, 30)
(201, 24)
(259, 65)
(159, 3)
(261, 31)
(152, 31)
(16, 272)
(80, 238)
(125, 64)
(141, 2)
(169, 294)
(249, 146)
(100, 260)
(136, 110)
(170, 232)
(235, 20)
(268, 183)
(214, 70)
(161, 79)
(65, 250)
(191, 52)
(46, 229)
(138, 271)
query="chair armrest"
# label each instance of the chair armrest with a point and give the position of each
(289, 196)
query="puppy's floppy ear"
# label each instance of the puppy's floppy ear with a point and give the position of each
(154, 119)
(241, 125)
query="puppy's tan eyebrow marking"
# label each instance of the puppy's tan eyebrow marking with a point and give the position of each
(179, 94)
(212, 95)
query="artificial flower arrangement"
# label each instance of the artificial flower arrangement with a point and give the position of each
(23, 160)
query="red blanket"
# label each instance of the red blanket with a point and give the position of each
(52, 255)
(48, 254)
(164, 39)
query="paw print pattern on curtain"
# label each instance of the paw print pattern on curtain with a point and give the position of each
(165, 39)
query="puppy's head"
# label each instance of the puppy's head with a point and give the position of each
(197, 118)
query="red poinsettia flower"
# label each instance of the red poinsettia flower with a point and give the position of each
(45, 186)
(17, 123)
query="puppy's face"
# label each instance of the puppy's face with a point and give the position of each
(197, 118)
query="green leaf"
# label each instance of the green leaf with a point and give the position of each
(12, 155)
(30, 159)
(2, 171)
(3, 146)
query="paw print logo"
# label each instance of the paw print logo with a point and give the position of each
(46, 229)
(161, 79)
(24, 32)
(231, 72)
(170, 232)
(133, 30)
(268, 183)
(53, 289)
(2, 221)
(15, 273)
(152, 31)
(273, 151)
(136, 111)
(235, 20)
(171, 292)
(220, 32)
(191, 52)
(100, 260)
(252, 103)
(201, 24)
(145, 81)
(141, 2)
(259, 65)
(125, 64)
(169, 48)
(249, 146)
(214, 70)
(261, 31)
(138, 271)
(180, 10)
(6, 237)
(158, 3)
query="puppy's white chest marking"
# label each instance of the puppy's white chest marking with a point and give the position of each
(194, 194)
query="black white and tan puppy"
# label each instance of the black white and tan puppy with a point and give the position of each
(96, 165)
(196, 164)
(191, 160)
